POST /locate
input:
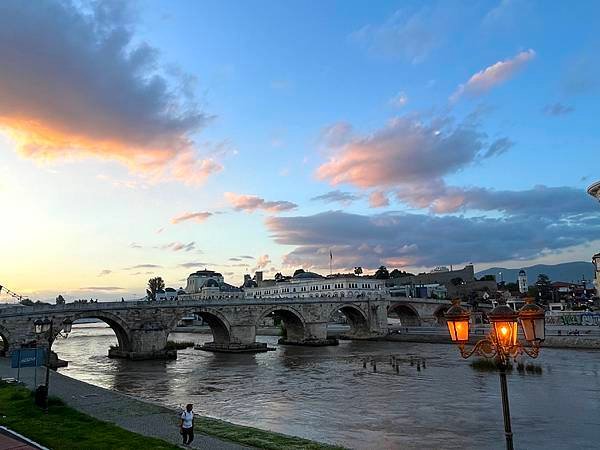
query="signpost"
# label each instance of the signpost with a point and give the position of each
(27, 357)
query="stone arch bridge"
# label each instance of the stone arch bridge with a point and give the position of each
(142, 327)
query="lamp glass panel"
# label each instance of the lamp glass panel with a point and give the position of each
(459, 330)
(38, 328)
(506, 333)
(540, 329)
(451, 329)
(528, 329)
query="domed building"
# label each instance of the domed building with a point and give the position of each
(209, 285)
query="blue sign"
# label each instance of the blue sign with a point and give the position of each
(28, 357)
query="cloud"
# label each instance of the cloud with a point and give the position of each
(407, 150)
(399, 239)
(378, 199)
(493, 75)
(193, 216)
(498, 147)
(75, 83)
(262, 262)
(247, 257)
(144, 266)
(557, 109)
(134, 245)
(234, 259)
(408, 34)
(189, 265)
(102, 288)
(399, 100)
(549, 202)
(178, 246)
(104, 272)
(251, 203)
(337, 196)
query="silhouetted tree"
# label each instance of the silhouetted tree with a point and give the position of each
(60, 300)
(358, 271)
(382, 273)
(154, 285)
(400, 273)
(543, 287)
(456, 281)
(488, 278)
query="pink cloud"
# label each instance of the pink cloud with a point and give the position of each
(251, 203)
(493, 75)
(378, 199)
(192, 216)
(262, 262)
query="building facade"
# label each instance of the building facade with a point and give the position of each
(522, 280)
(209, 285)
(310, 284)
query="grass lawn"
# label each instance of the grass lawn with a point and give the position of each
(65, 428)
(255, 437)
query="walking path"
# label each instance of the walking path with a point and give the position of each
(123, 410)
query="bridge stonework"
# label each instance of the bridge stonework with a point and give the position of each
(142, 328)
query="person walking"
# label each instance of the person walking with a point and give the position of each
(186, 424)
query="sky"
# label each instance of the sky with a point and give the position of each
(157, 138)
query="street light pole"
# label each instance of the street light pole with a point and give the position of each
(505, 407)
(501, 343)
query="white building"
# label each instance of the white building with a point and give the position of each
(309, 284)
(522, 280)
(209, 285)
(596, 262)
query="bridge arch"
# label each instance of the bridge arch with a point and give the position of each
(357, 319)
(116, 323)
(407, 314)
(219, 325)
(4, 341)
(293, 321)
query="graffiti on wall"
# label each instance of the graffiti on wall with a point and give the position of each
(588, 319)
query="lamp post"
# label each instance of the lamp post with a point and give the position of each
(502, 342)
(45, 328)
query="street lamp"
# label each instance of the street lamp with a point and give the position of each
(44, 328)
(502, 343)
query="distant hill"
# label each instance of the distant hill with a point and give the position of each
(568, 272)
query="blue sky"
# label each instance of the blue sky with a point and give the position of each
(473, 124)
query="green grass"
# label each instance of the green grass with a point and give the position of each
(63, 427)
(256, 437)
(488, 365)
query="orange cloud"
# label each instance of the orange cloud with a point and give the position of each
(195, 216)
(251, 203)
(94, 96)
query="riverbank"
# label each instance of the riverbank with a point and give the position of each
(568, 342)
(154, 421)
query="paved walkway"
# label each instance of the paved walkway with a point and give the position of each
(123, 410)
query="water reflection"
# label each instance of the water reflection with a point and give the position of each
(325, 394)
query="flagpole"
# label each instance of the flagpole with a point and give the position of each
(330, 262)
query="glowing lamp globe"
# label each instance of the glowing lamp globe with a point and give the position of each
(533, 321)
(504, 325)
(457, 319)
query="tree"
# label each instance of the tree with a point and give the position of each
(154, 285)
(488, 278)
(382, 273)
(543, 287)
(278, 276)
(26, 302)
(358, 271)
(60, 300)
(400, 273)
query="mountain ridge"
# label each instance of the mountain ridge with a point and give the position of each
(567, 272)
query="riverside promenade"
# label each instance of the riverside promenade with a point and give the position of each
(122, 410)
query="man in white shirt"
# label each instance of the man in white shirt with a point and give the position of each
(186, 424)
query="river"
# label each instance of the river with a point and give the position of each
(325, 394)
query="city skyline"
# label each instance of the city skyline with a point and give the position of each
(170, 137)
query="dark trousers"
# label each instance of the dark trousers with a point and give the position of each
(188, 435)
